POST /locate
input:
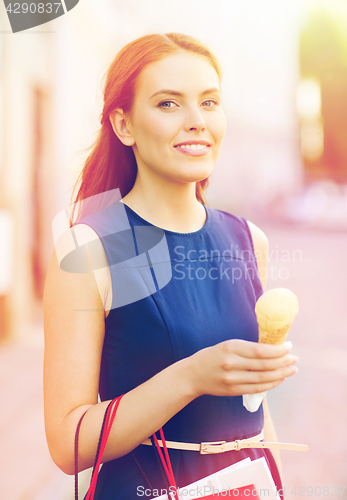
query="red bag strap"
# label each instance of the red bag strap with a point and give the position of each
(76, 454)
(166, 462)
(105, 432)
(110, 415)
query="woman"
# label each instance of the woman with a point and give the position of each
(184, 354)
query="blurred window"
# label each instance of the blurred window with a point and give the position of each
(1, 113)
(323, 66)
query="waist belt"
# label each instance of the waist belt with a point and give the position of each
(223, 446)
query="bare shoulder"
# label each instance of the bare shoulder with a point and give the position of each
(260, 241)
(78, 264)
(98, 262)
(85, 232)
(261, 250)
(70, 279)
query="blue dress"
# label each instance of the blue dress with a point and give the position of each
(174, 294)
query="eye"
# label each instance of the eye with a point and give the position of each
(210, 103)
(167, 104)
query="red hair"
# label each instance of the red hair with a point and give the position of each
(111, 164)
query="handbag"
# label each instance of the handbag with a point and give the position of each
(242, 490)
(206, 487)
(245, 479)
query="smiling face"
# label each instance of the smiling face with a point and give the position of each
(177, 122)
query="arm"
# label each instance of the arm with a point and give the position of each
(261, 249)
(74, 318)
(74, 332)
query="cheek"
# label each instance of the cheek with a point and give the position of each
(220, 125)
(216, 124)
(152, 129)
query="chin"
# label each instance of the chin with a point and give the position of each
(201, 175)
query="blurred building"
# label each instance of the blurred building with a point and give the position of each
(321, 106)
(323, 60)
(50, 94)
(26, 163)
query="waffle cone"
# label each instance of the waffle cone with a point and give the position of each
(276, 310)
(277, 336)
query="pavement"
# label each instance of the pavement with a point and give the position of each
(27, 470)
(309, 408)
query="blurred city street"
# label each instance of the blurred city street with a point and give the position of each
(27, 470)
(310, 408)
(283, 165)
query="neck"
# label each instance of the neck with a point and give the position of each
(169, 205)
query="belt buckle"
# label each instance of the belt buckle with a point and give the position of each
(212, 447)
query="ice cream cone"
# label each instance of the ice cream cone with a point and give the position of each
(276, 310)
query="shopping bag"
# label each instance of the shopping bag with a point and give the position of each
(247, 478)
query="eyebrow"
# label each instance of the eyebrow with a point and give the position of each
(174, 92)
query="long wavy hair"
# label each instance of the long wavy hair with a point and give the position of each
(111, 164)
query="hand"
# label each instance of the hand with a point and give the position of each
(237, 367)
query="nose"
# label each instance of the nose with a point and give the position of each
(194, 120)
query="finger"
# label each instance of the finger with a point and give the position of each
(263, 364)
(258, 377)
(249, 349)
(256, 388)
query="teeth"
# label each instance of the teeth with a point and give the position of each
(193, 146)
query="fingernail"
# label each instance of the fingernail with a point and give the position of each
(288, 345)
